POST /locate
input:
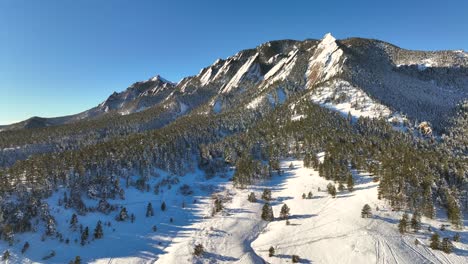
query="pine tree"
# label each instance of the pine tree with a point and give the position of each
(73, 221)
(331, 190)
(251, 198)
(366, 211)
(447, 245)
(295, 259)
(149, 210)
(341, 187)
(84, 236)
(304, 196)
(266, 195)
(25, 247)
(309, 196)
(163, 206)
(403, 225)
(98, 232)
(453, 211)
(218, 205)
(456, 237)
(435, 241)
(416, 221)
(198, 250)
(271, 251)
(267, 212)
(6, 255)
(284, 214)
(77, 260)
(123, 215)
(350, 182)
(132, 218)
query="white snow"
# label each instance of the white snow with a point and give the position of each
(129, 242)
(255, 102)
(297, 117)
(274, 99)
(183, 108)
(217, 107)
(341, 96)
(158, 77)
(321, 230)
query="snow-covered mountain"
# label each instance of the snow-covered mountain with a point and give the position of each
(424, 86)
(138, 97)
(167, 167)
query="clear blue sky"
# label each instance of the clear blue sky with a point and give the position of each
(64, 56)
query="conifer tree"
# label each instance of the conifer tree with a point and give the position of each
(149, 210)
(284, 213)
(25, 247)
(163, 206)
(366, 211)
(198, 250)
(218, 205)
(456, 237)
(341, 187)
(435, 241)
(403, 225)
(309, 195)
(453, 211)
(267, 212)
(350, 182)
(98, 232)
(331, 190)
(77, 260)
(6, 255)
(251, 198)
(416, 221)
(304, 196)
(84, 236)
(271, 251)
(446, 245)
(73, 221)
(123, 215)
(266, 195)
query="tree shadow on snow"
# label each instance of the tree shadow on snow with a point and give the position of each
(289, 257)
(218, 257)
(358, 188)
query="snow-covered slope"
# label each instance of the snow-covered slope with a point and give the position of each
(321, 230)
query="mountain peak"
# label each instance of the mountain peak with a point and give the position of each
(159, 78)
(328, 38)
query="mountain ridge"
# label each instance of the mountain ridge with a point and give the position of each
(127, 101)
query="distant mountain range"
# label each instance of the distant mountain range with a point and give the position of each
(423, 85)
